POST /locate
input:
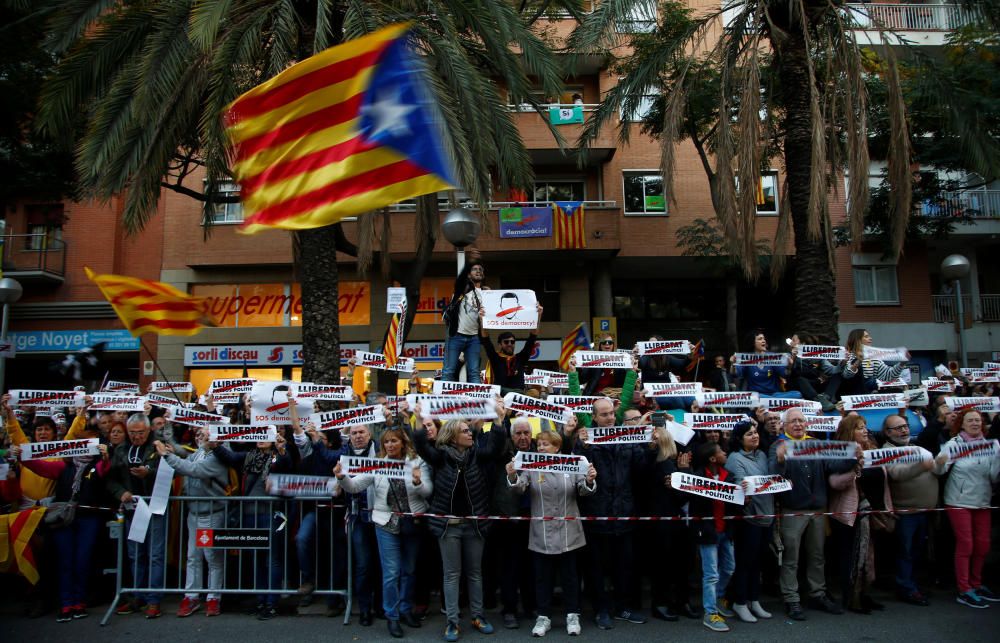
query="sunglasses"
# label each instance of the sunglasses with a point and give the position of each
(607, 342)
(507, 341)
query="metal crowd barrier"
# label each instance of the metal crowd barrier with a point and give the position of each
(256, 538)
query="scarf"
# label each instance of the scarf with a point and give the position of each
(399, 502)
(257, 462)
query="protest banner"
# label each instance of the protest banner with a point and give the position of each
(664, 347)
(509, 309)
(467, 389)
(298, 486)
(760, 359)
(303, 391)
(539, 380)
(575, 403)
(707, 487)
(895, 455)
(59, 449)
(874, 401)
(985, 404)
(991, 366)
(981, 376)
(820, 449)
(117, 402)
(681, 434)
(898, 354)
(241, 433)
(26, 397)
(902, 381)
(457, 407)
(382, 467)
(760, 485)
(341, 418)
(935, 385)
(550, 463)
(171, 387)
(192, 417)
(728, 399)
(377, 360)
(556, 379)
(671, 389)
(817, 352)
(230, 387)
(916, 397)
(714, 421)
(822, 423)
(165, 401)
(269, 403)
(536, 408)
(619, 435)
(782, 404)
(978, 450)
(113, 386)
(603, 359)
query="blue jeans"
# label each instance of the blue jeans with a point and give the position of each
(304, 547)
(453, 346)
(717, 565)
(363, 548)
(399, 566)
(148, 557)
(75, 553)
(269, 564)
(911, 538)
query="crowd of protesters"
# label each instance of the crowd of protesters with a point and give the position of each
(426, 532)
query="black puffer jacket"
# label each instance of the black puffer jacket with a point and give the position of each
(447, 462)
(618, 467)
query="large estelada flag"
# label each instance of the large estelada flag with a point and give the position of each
(152, 306)
(351, 129)
(568, 220)
(577, 339)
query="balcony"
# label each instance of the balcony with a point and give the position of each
(984, 308)
(922, 24)
(542, 146)
(34, 258)
(977, 204)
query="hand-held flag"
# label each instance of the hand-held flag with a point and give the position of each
(152, 306)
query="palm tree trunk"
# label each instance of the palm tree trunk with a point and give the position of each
(814, 302)
(316, 263)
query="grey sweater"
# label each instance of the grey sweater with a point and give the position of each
(204, 475)
(808, 479)
(742, 464)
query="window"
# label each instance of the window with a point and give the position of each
(642, 106)
(43, 237)
(558, 190)
(874, 280)
(641, 18)
(644, 193)
(227, 212)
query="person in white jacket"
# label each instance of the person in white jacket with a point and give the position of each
(396, 534)
(971, 476)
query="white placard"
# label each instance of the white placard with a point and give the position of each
(991, 366)
(59, 449)
(296, 486)
(714, 421)
(536, 379)
(875, 401)
(536, 408)
(822, 423)
(377, 360)
(681, 433)
(550, 463)
(241, 433)
(231, 387)
(761, 359)
(619, 435)
(269, 404)
(382, 467)
(161, 488)
(895, 455)
(728, 400)
(603, 359)
(978, 449)
(113, 386)
(140, 521)
(341, 418)
(671, 389)
(393, 296)
(556, 379)
(171, 387)
(761, 485)
(985, 404)
(980, 375)
(817, 352)
(117, 402)
(509, 309)
(820, 450)
(782, 404)
(326, 392)
(457, 407)
(935, 385)
(467, 389)
(25, 397)
(898, 354)
(664, 347)
(707, 487)
(165, 401)
(916, 397)
(192, 417)
(576, 403)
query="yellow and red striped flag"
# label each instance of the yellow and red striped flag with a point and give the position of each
(577, 339)
(394, 339)
(569, 225)
(152, 306)
(346, 131)
(16, 554)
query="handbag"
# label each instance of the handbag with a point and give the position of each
(62, 514)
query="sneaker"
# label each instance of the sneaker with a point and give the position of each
(715, 623)
(255, 610)
(826, 603)
(153, 611)
(794, 611)
(80, 611)
(915, 598)
(510, 621)
(307, 588)
(267, 613)
(481, 624)
(663, 613)
(722, 607)
(542, 625)
(451, 632)
(970, 599)
(985, 594)
(757, 610)
(65, 615)
(188, 607)
(604, 621)
(213, 607)
(826, 402)
(125, 608)
(573, 624)
(744, 613)
(631, 617)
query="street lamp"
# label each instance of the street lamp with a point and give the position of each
(10, 292)
(461, 228)
(953, 268)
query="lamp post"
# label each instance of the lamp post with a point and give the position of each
(461, 228)
(953, 268)
(10, 292)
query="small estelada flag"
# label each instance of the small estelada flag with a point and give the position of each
(395, 337)
(152, 306)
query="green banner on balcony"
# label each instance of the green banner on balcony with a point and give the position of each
(566, 115)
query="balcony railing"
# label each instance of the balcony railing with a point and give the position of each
(496, 205)
(527, 107)
(978, 204)
(986, 308)
(34, 256)
(912, 17)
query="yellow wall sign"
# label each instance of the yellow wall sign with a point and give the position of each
(266, 305)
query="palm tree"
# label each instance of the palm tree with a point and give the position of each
(152, 79)
(815, 94)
